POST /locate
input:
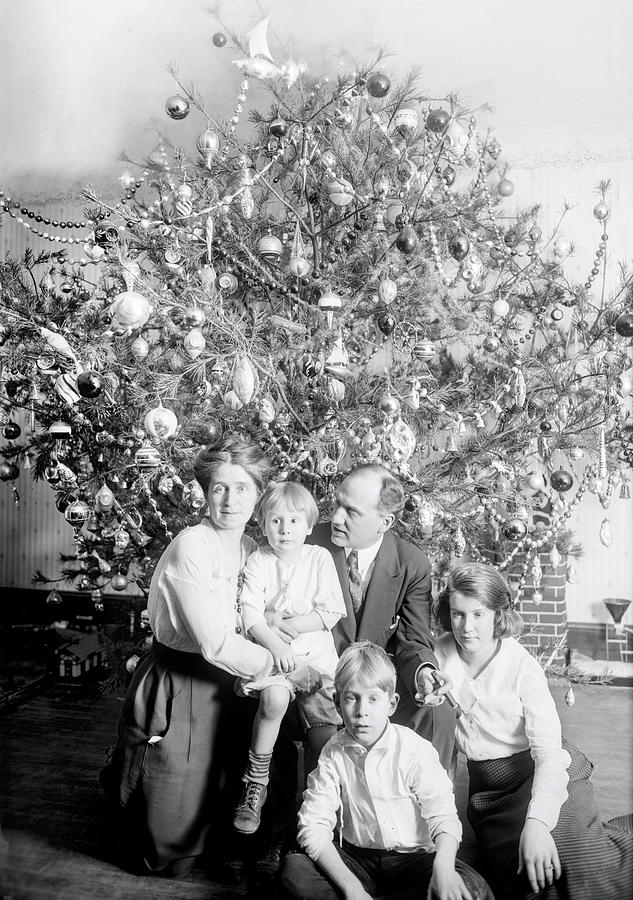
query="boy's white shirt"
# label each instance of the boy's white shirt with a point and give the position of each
(394, 796)
(508, 708)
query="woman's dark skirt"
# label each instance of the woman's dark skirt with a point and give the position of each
(596, 857)
(175, 761)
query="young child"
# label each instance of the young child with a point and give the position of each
(291, 599)
(392, 799)
(530, 798)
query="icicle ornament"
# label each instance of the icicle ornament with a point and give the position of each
(606, 536)
(602, 466)
(570, 697)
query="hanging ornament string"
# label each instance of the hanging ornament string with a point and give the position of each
(12, 207)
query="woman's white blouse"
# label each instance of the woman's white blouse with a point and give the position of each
(506, 709)
(192, 603)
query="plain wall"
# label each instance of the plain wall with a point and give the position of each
(81, 84)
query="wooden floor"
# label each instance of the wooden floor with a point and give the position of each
(53, 745)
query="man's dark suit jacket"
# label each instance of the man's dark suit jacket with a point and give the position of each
(396, 607)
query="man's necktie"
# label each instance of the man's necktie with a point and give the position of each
(355, 581)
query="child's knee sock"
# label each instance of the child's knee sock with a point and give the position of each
(258, 767)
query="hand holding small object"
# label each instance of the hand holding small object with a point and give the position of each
(433, 688)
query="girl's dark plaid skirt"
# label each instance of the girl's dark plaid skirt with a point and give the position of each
(596, 857)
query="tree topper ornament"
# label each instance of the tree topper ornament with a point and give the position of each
(260, 63)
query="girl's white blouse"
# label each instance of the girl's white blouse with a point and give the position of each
(506, 709)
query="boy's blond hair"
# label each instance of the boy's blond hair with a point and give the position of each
(367, 662)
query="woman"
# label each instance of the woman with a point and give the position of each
(176, 734)
(530, 797)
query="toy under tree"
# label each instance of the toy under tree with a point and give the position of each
(343, 286)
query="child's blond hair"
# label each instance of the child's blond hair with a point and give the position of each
(288, 495)
(367, 662)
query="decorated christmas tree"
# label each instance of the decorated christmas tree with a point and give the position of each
(344, 285)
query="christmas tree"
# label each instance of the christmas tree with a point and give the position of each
(344, 286)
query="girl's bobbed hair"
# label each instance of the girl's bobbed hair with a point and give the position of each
(238, 451)
(480, 582)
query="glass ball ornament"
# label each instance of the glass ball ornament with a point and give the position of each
(177, 107)
(54, 598)
(147, 458)
(106, 235)
(104, 499)
(77, 513)
(60, 430)
(601, 211)
(387, 323)
(424, 349)
(449, 175)
(340, 191)
(387, 290)
(118, 582)
(505, 188)
(557, 314)
(561, 480)
(139, 348)
(11, 431)
(8, 471)
(266, 411)
(407, 240)
(208, 143)
(329, 303)
(89, 384)
(130, 310)
(132, 662)
(193, 495)
(210, 431)
(378, 85)
(389, 406)
(298, 266)
(278, 128)
(512, 237)
(269, 247)
(458, 246)
(624, 324)
(437, 120)
(491, 343)
(561, 248)
(514, 529)
(227, 282)
(194, 317)
(311, 366)
(194, 343)
(160, 423)
(405, 121)
(219, 39)
(501, 308)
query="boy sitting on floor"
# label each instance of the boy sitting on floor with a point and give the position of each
(397, 822)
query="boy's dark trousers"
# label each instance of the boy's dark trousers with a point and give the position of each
(383, 873)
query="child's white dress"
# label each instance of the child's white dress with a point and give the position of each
(309, 584)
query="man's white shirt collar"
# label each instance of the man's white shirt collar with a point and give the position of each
(367, 555)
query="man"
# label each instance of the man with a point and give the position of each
(390, 586)
(391, 604)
